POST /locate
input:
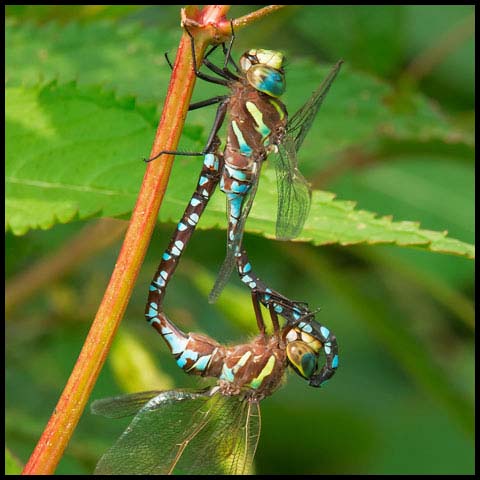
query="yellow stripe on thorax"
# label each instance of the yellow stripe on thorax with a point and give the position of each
(266, 371)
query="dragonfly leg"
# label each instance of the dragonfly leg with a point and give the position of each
(168, 60)
(212, 142)
(224, 73)
(258, 312)
(274, 318)
(206, 103)
(196, 70)
(292, 311)
(228, 52)
(206, 55)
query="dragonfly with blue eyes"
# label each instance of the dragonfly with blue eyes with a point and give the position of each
(258, 127)
(216, 430)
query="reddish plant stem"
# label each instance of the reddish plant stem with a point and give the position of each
(71, 404)
(207, 25)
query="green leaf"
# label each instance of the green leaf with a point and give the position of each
(61, 166)
(126, 57)
(65, 150)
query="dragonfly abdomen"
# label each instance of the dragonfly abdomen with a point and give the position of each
(206, 184)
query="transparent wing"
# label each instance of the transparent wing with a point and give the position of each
(228, 442)
(123, 405)
(293, 190)
(184, 432)
(234, 244)
(294, 195)
(299, 124)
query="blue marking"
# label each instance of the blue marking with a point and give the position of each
(166, 331)
(202, 363)
(307, 328)
(154, 320)
(325, 331)
(181, 227)
(236, 174)
(186, 355)
(205, 193)
(243, 188)
(152, 310)
(152, 288)
(176, 251)
(231, 235)
(193, 219)
(246, 268)
(273, 84)
(335, 361)
(181, 362)
(160, 282)
(296, 315)
(203, 180)
(194, 202)
(240, 188)
(166, 256)
(236, 206)
(226, 374)
(164, 274)
(278, 309)
(177, 344)
(209, 160)
(252, 284)
(301, 324)
(247, 279)
(326, 348)
(179, 244)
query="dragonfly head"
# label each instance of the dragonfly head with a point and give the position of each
(264, 71)
(304, 343)
(302, 352)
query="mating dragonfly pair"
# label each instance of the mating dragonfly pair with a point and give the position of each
(217, 430)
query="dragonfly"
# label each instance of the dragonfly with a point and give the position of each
(258, 127)
(215, 430)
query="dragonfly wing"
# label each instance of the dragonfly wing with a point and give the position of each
(299, 124)
(234, 244)
(122, 405)
(150, 444)
(294, 193)
(293, 190)
(228, 443)
(184, 432)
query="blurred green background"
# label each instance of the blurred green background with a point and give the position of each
(402, 400)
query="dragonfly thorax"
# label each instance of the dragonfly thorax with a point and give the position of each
(255, 369)
(263, 71)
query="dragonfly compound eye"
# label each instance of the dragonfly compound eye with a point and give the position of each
(302, 358)
(266, 79)
(270, 58)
